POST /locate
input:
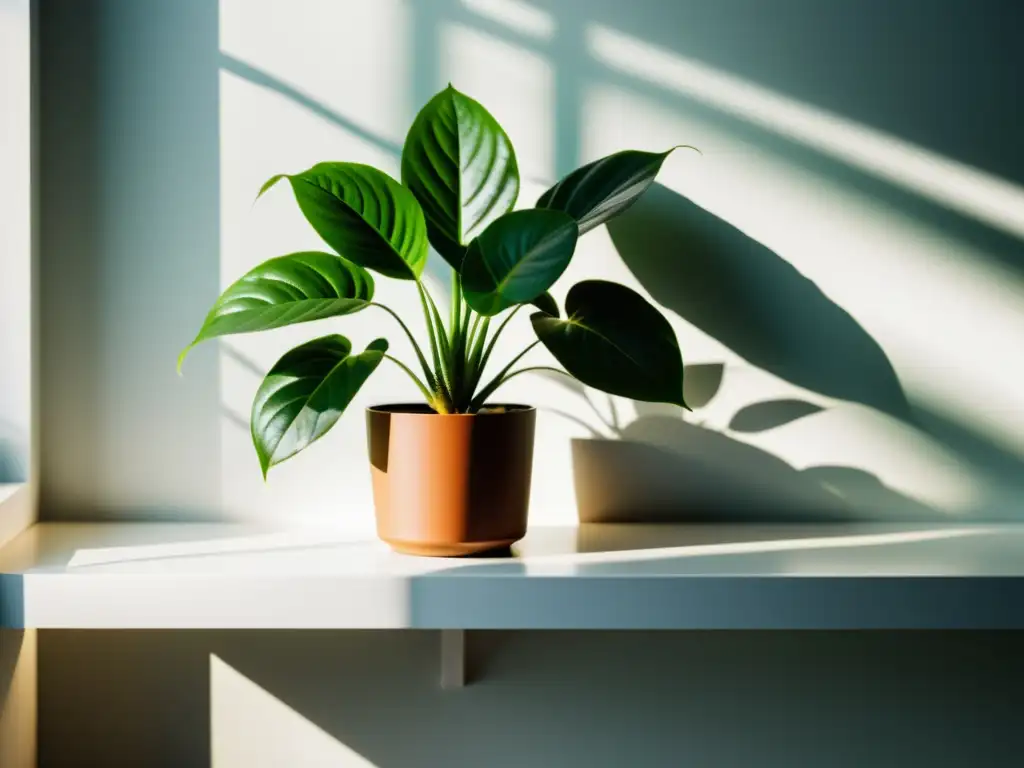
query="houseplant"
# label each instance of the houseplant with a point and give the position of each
(450, 475)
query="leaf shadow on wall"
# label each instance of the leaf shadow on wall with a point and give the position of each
(664, 468)
(744, 295)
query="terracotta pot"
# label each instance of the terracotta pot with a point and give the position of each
(447, 485)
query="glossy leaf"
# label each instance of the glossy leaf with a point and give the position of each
(598, 191)
(460, 165)
(305, 393)
(546, 303)
(517, 259)
(614, 340)
(296, 288)
(364, 215)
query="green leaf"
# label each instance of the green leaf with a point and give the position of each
(616, 341)
(363, 214)
(601, 190)
(546, 303)
(460, 165)
(517, 259)
(296, 288)
(305, 393)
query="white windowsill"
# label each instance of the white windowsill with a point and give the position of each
(150, 575)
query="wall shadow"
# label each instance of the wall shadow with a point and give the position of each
(746, 296)
(69, 206)
(129, 257)
(378, 694)
(664, 469)
(11, 641)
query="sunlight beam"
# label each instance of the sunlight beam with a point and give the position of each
(517, 15)
(954, 185)
(250, 728)
(569, 563)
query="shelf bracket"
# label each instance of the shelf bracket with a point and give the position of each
(453, 658)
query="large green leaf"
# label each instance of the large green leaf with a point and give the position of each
(296, 288)
(614, 340)
(461, 166)
(363, 214)
(517, 259)
(305, 393)
(600, 190)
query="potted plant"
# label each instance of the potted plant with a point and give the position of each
(451, 475)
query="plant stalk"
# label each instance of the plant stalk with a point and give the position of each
(416, 347)
(422, 387)
(497, 381)
(443, 393)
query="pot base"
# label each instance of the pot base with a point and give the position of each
(451, 549)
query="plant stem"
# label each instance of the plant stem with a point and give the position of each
(416, 347)
(423, 387)
(498, 380)
(456, 319)
(493, 387)
(467, 313)
(475, 354)
(444, 347)
(441, 386)
(497, 333)
(471, 335)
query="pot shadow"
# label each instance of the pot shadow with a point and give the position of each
(663, 469)
(746, 296)
(659, 468)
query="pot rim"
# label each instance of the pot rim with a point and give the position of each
(422, 409)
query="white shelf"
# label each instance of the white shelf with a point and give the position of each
(139, 575)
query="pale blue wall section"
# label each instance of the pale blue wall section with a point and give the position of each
(129, 256)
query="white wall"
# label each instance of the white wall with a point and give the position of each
(15, 241)
(848, 245)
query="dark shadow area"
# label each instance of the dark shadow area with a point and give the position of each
(746, 296)
(800, 696)
(69, 273)
(10, 650)
(867, 491)
(664, 469)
